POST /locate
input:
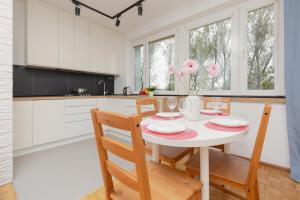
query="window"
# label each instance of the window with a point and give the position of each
(239, 51)
(210, 45)
(161, 56)
(260, 48)
(139, 67)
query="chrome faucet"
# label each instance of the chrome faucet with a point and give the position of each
(104, 91)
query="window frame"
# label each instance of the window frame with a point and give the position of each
(134, 64)
(278, 50)
(134, 44)
(214, 18)
(157, 37)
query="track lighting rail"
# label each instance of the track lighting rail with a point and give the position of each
(78, 3)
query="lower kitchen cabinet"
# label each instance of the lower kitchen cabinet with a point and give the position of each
(78, 120)
(78, 128)
(48, 121)
(22, 124)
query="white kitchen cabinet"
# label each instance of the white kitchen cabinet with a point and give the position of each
(66, 40)
(74, 129)
(58, 39)
(42, 34)
(48, 121)
(78, 120)
(102, 104)
(113, 52)
(80, 102)
(82, 58)
(22, 124)
(97, 48)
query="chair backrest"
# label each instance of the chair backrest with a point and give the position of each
(135, 154)
(146, 102)
(259, 143)
(225, 101)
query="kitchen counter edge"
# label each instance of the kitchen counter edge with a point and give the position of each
(38, 98)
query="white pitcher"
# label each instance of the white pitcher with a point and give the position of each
(193, 108)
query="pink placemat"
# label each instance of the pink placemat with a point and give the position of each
(165, 118)
(183, 135)
(225, 128)
(213, 114)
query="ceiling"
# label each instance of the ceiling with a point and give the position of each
(153, 9)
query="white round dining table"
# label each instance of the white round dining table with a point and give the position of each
(205, 138)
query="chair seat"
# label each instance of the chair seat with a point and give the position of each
(165, 184)
(167, 153)
(222, 166)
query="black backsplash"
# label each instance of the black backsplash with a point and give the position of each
(29, 82)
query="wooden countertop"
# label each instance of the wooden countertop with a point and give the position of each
(275, 100)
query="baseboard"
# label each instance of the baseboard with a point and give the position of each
(50, 145)
(37, 148)
(275, 166)
(268, 164)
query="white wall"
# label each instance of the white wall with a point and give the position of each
(275, 149)
(5, 91)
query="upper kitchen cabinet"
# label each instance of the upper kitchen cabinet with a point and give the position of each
(113, 52)
(42, 34)
(58, 39)
(66, 40)
(82, 58)
(97, 48)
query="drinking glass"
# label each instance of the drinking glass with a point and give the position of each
(172, 103)
(182, 106)
(216, 104)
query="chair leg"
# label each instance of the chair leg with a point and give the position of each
(189, 173)
(173, 165)
(196, 196)
(250, 194)
(256, 190)
(192, 153)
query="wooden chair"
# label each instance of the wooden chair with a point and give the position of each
(223, 100)
(234, 171)
(149, 180)
(226, 109)
(170, 155)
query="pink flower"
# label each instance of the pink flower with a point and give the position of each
(171, 70)
(213, 70)
(181, 72)
(191, 66)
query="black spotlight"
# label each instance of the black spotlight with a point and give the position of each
(77, 7)
(140, 9)
(77, 10)
(118, 22)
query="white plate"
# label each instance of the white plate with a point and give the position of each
(166, 128)
(210, 111)
(168, 114)
(228, 122)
